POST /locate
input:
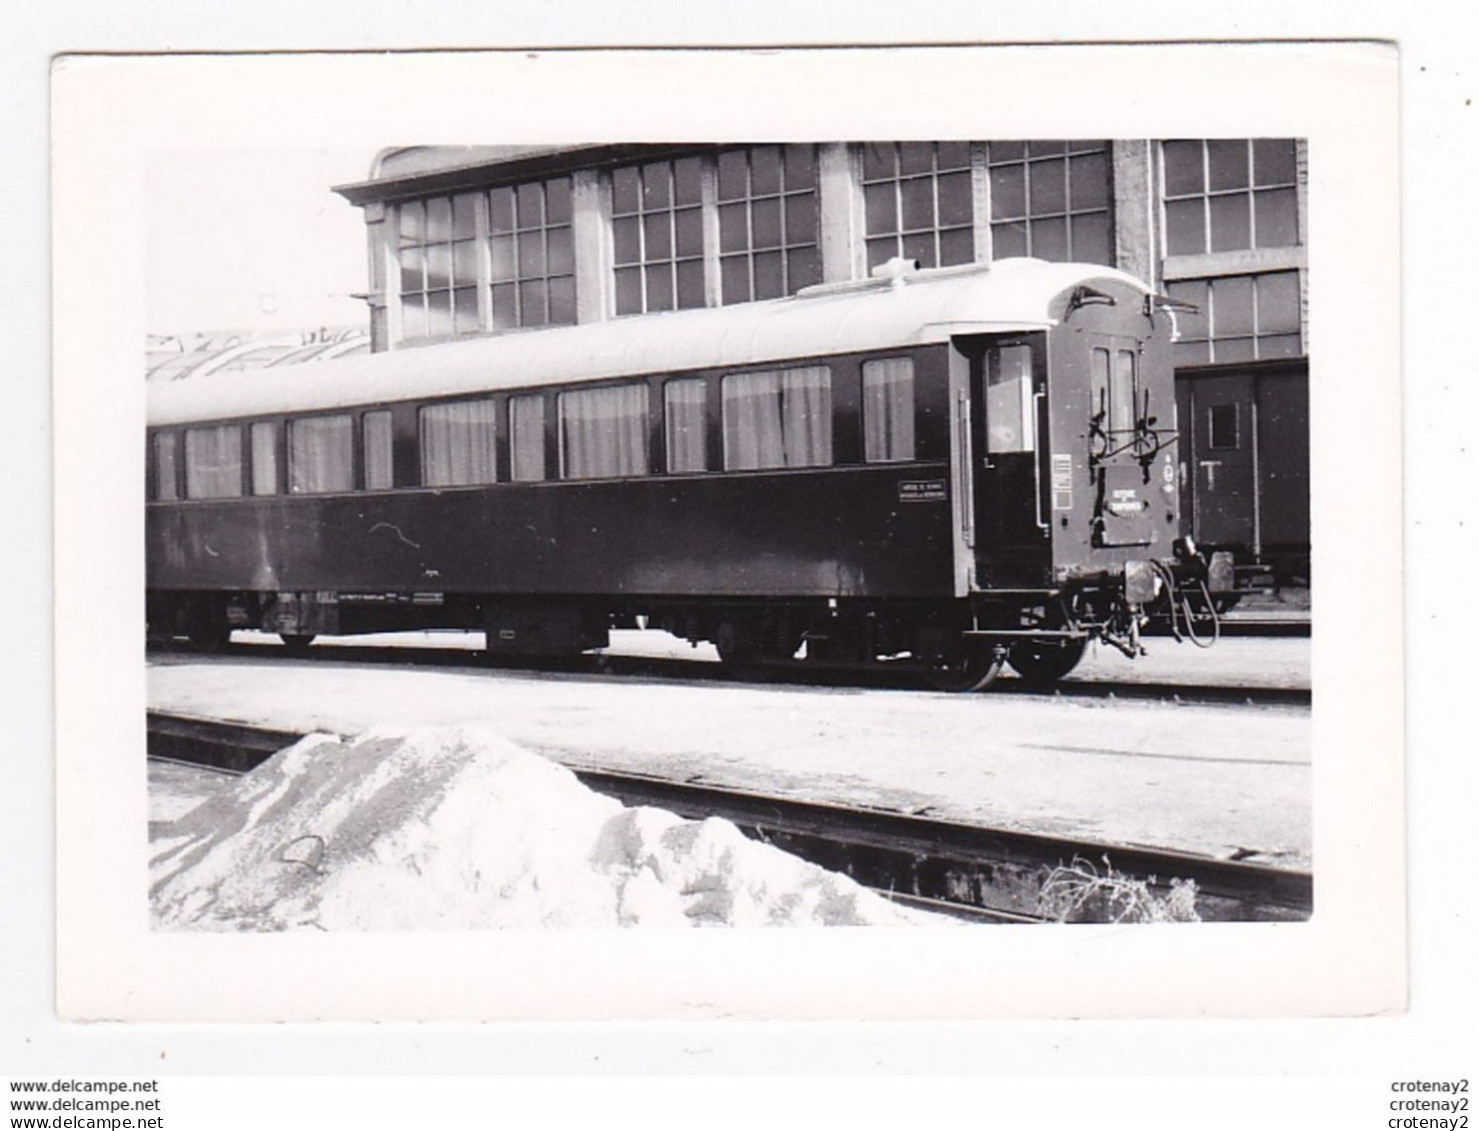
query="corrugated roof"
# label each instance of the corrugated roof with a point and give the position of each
(930, 306)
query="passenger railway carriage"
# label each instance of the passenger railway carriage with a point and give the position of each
(948, 468)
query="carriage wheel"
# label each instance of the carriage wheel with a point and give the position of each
(969, 666)
(296, 643)
(1044, 662)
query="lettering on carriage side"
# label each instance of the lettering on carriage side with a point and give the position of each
(1062, 483)
(922, 491)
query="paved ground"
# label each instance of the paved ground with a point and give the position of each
(1236, 661)
(1216, 780)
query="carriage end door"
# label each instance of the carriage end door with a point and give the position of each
(1009, 390)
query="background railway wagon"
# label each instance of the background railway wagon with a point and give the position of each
(1245, 465)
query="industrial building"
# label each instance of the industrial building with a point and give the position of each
(489, 240)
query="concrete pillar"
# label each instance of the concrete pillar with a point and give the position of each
(980, 204)
(709, 194)
(1302, 182)
(590, 231)
(840, 204)
(384, 298)
(1136, 209)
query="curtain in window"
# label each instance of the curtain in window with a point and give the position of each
(264, 459)
(165, 481)
(526, 429)
(379, 468)
(888, 410)
(683, 402)
(603, 432)
(778, 418)
(457, 444)
(321, 454)
(213, 462)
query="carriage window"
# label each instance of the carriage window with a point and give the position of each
(166, 475)
(683, 412)
(264, 459)
(1009, 424)
(1123, 392)
(379, 468)
(213, 462)
(888, 410)
(526, 432)
(778, 418)
(603, 432)
(1099, 388)
(1222, 426)
(321, 454)
(457, 444)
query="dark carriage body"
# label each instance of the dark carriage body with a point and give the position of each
(1028, 458)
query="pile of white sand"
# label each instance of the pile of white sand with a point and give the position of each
(458, 828)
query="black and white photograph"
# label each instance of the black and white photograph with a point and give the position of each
(898, 523)
(658, 494)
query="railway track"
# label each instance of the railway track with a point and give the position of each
(962, 869)
(797, 672)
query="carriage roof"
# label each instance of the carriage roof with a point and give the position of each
(922, 308)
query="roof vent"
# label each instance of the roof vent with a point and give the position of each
(894, 270)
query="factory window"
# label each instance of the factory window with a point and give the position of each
(778, 418)
(1050, 199)
(603, 432)
(657, 223)
(457, 443)
(166, 470)
(684, 411)
(767, 222)
(264, 459)
(1238, 318)
(531, 254)
(917, 201)
(526, 438)
(1222, 426)
(379, 464)
(888, 410)
(438, 254)
(321, 454)
(213, 462)
(1230, 194)
(1009, 401)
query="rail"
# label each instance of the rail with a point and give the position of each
(964, 868)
